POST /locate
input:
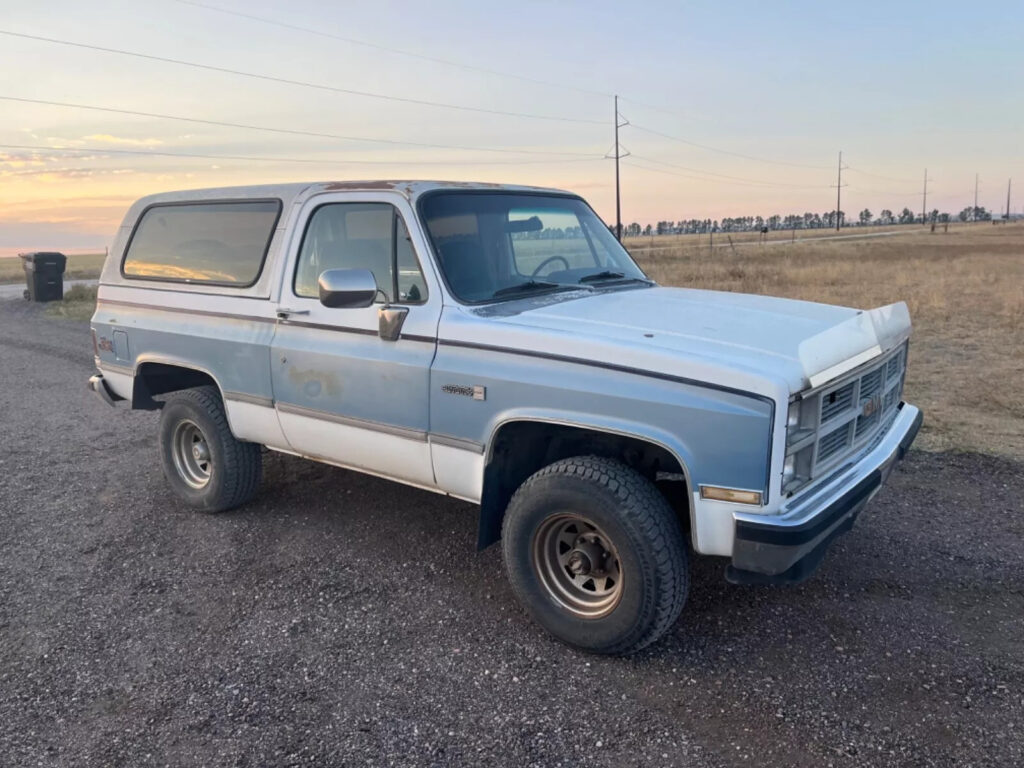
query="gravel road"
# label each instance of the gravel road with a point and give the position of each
(344, 620)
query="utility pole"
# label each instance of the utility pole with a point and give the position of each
(618, 156)
(974, 210)
(1008, 183)
(839, 188)
(924, 199)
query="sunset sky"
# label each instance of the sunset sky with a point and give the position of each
(771, 91)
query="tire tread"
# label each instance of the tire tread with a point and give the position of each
(643, 506)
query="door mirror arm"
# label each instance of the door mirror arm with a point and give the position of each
(390, 321)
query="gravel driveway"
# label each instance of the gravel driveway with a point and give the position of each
(344, 620)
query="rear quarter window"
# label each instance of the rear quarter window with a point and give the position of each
(218, 243)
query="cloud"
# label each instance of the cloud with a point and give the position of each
(60, 174)
(106, 138)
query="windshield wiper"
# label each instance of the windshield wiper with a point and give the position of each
(605, 275)
(529, 286)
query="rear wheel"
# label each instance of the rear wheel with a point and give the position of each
(204, 463)
(596, 555)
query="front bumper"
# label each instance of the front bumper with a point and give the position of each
(788, 547)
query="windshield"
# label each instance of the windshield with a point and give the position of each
(502, 246)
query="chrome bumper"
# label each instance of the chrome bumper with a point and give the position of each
(789, 546)
(99, 385)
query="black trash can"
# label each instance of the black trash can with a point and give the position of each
(44, 274)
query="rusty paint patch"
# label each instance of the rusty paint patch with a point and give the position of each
(312, 383)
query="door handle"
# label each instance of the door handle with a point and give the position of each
(283, 313)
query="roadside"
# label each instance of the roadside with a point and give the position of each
(80, 266)
(724, 240)
(16, 290)
(342, 619)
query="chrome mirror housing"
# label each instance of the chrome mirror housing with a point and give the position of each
(347, 288)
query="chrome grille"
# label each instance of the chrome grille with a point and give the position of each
(843, 417)
(833, 442)
(836, 402)
(870, 383)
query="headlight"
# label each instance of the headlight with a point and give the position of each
(799, 444)
(788, 470)
(793, 421)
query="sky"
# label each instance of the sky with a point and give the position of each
(734, 109)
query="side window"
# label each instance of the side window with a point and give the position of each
(221, 243)
(548, 240)
(360, 236)
(410, 284)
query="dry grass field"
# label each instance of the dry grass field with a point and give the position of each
(81, 266)
(965, 290)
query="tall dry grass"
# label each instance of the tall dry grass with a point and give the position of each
(965, 291)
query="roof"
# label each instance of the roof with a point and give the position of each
(289, 193)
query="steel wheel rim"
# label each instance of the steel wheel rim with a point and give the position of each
(191, 453)
(578, 565)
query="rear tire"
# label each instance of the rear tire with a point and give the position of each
(205, 464)
(596, 555)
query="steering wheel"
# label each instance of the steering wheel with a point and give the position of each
(547, 261)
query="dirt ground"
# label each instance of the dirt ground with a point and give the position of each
(344, 620)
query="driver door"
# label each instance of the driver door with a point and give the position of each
(343, 393)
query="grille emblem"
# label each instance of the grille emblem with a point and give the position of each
(870, 406)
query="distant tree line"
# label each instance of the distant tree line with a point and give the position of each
(797, 221)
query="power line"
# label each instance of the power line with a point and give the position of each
(758, 185)
(725, 151)
(880, 176)
(752, 182)
(300, 83)
(289, 131)
(644, 105)
(250, 158)
(390, 49)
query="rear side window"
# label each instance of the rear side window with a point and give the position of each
(215, 243)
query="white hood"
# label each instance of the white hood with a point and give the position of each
(804, 343)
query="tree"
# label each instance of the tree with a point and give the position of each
(907, 216)
(647, 230)
(865, 217)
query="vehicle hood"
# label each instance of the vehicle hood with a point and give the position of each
(802, 342)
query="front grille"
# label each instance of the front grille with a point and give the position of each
(836, 402)
(843, 417)
(833, 442)
(870, 383)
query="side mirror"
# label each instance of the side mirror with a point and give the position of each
(347, 288)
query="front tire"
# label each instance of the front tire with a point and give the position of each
(596, 555)
(205, 464)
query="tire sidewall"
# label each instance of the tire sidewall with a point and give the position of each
(173, 413)
(559, 494)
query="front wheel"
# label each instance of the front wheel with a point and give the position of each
(205, 464)
(596, 555)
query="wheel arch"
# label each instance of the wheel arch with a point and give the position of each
(159, 375)
(519, 445)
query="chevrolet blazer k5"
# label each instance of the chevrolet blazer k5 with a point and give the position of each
(497, 344)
